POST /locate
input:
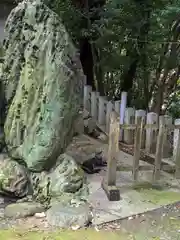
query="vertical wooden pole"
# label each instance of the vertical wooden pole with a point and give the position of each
(122, 112)
(159, 150)
(87, 98)
(102, 110)
(109, 184)
(110, 107)
(177, 157)
(141, 113)
(151, 139)
(94, 108)
(175, 138)
(117, 105)
(137, 146)
(129, 119)
(167, 145)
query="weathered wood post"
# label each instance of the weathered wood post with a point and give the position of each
(117, 105)
(110, 108)
(87, 98)
(167, 145)
(122, 112)
(94, 105)
(137, 146)
(177, 156)
(141, 113)
(175, 139)
(129, 119)
(159, 149)
(109, 183)
(102, 110)
(151, 139)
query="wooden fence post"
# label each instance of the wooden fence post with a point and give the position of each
(177, 156)
(137, 146)
(110, 108)
(102, 110)
(167, 145)
(94, 105)
(87, 98)
(141, 113)
(117, 105)
(175, 139)
(122, 112)
(129, 119)
(151, 139)
(159, 149)
(109, 184)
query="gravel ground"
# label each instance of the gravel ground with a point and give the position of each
(163, 223)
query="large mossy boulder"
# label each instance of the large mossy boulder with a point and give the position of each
(43, 84)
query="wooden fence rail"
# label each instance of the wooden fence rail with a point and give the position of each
(109, 183)
(144, 130)
(100, 108)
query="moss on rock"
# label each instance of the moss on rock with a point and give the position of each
(14, 179)
(43, 83)
(65, 182)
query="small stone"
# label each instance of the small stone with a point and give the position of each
(97, 230)
(68, 216)
(74, 228)
(40, 215)
(103, 137)
(21, 210)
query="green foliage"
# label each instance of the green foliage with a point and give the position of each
(124, 31)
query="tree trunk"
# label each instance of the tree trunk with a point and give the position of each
(86, 50)
(136, 55)
(168, 70)
(87, 62)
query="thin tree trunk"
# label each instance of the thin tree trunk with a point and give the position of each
(135, 55)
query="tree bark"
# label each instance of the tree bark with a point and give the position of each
(86, 49)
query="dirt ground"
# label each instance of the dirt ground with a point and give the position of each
(163, 223)
(160, 224)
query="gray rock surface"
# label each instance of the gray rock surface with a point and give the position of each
(21, 210)
(65, 217)
(64, 182)
(43, 82)
(14, 179)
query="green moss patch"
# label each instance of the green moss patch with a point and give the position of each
(83, 234)
(159, 197)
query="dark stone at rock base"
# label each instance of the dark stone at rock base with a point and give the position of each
(66, 217)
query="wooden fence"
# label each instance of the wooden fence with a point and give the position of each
(100, 109)
(134, 127)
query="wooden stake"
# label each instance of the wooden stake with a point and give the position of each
(137, 147)
(159, 150)
(177, 157)
(109, 184)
